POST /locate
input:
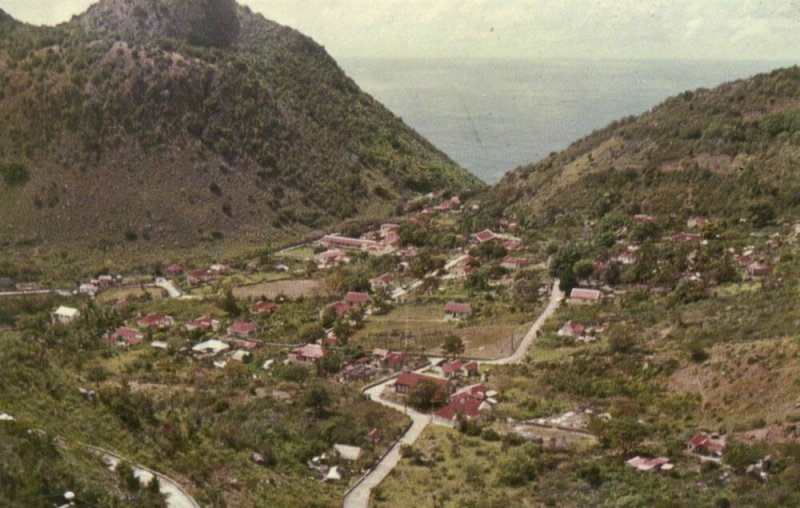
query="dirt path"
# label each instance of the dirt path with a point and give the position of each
(358, 496)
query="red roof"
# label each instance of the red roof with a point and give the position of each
(451, 367)
(395, 358)
(484, 236)
(309, 351)
(457, 308)
(516, 262)
(130, 336)
(354, 297)
(241, 328)
(175, 268)
(410, 379)
(585, 294)
(342, 308)
(264, 307)
(156, 319)
(472, 365)
(464, 404)
(511, 245)
(202, 322)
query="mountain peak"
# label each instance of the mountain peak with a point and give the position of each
(212, 23)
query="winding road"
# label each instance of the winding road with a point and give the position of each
(358, 496)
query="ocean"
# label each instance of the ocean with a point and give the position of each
(492, 116)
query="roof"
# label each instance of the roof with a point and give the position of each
(464, 404)
(484, 236)
(451, 367)
(241, 327)
(585, 294)
(457, 308)
(154, 318)
(126, 332)
(201, 322)
(212, 345)
(355, 297)
(645, 464)
(265, 307)
(395, 358)
(348, 452)
(510, 260)
(312, 351)
(408, 378)
(67, 311)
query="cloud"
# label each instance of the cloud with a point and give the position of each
(724, 29)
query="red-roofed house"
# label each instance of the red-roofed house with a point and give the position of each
(125, 337)
(156, 320)
(512, 244)
(307, 354)
(452, 369)
(706, 444)
(582, 295)
(408, 380)
(263, 307)
(758, 269)
(375, 435)
(332, 241)
(512, 263)
(202, 323)
(175, 269)
(395, 360)
(241, 329)
(454, 310)
(382, 282)
(571, 329)
(483, 236)
(355, 298)
(202, 276)
(342, 308)
(467, 406)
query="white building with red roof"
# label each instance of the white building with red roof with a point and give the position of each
(455, 310)
(156, 320)
(125, 337)
(584, 295)
(242, 329)
(307, 354)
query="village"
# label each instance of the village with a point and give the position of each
(419, 318)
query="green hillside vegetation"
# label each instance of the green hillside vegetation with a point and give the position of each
(171, 122)
(729, 152)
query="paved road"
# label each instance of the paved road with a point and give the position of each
(175, 495)
(359, 496)
(556, 295)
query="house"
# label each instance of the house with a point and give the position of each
(263, 308)
(408, 380)
(125, 336)
(240, 356)
(88, 289)
(382, 282)
(241, 329)
(506, 224)
(467, 406)
(454, 310)
(452, 369)
(706, 444)
(470, 368)
(343, 308)
(696, 222)
(356, 298)
(643, 218)
(395, 360)
(375, 435)
(758, 269)
(347, 452)
(332, 258)
(572, 330)
(512, 263)
(202, 276)
(174, 269)
(65, 315)
(337, 241)
(584, 295)
(156, 320)
(645, 464)
(483, 236)
(512, 244)
(626, 257)
(307, 354)
(210, 347)
(202, 323)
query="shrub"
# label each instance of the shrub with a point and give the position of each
(14, 174)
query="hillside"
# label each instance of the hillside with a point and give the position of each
(168, 122)
(731, 151)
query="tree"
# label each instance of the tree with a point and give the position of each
(623, 433)
(583, 269)
(453, 345)
(516, 468)
(426, 395)
(318, 399)
(229, 304)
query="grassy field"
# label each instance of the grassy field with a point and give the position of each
(424, 328)
(295, 288)
(114, 294)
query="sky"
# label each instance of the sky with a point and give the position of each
(624, 29)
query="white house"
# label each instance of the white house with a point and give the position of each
(210, 348)
(65, 315)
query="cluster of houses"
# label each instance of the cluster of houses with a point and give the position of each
(98, 284)
(580, 332)
(204, 276)
(706, 446)
(461, 400)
